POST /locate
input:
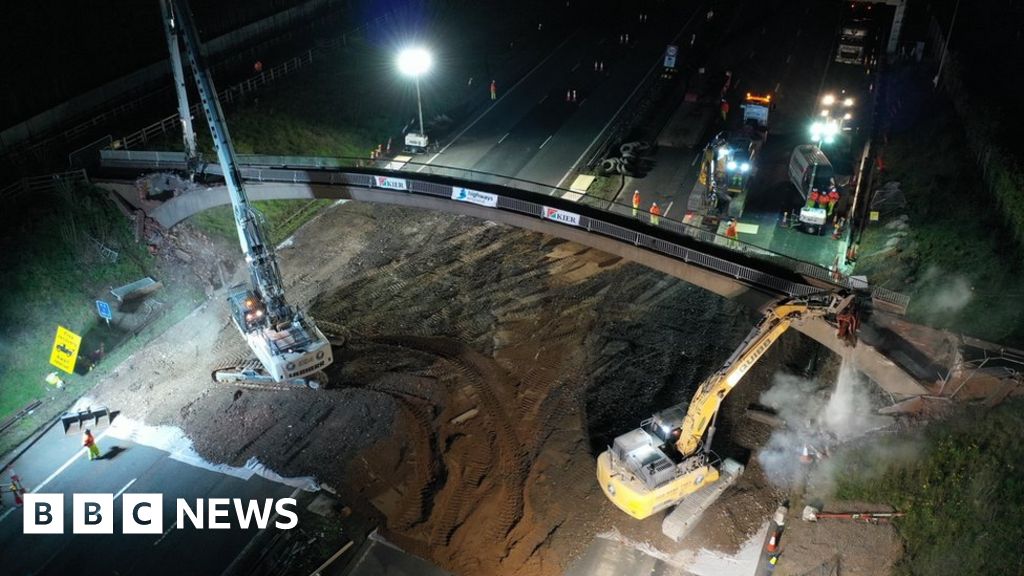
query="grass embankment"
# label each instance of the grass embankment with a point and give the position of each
(955, 256)
(963, 493)
(53, 278)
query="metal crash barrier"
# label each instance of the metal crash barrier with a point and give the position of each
(90, 418)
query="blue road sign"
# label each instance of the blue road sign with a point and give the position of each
(104, 309)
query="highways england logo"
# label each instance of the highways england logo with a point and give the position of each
(144, 514)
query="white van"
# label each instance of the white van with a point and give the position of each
(801, 164)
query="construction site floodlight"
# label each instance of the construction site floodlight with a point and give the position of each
(828, 100)
(848, 102)
(414, 62)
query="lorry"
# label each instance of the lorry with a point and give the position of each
(288, 346)
(727, 165)
(668, 460)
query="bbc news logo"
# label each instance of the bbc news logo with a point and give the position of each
(144, 514)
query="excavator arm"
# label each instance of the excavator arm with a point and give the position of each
(713, 391)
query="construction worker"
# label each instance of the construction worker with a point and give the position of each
(725, 109)
(17, 489)
(258, 67)
(636, 202)
(655, 213)
(53, 379)
(812, 198)
(732, 234)
(833, 198)
(494, 90)
(89, 442)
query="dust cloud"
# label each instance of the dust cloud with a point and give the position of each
(948, 295)
(817, 417)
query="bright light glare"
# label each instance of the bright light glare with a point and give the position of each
(828, 100)
(744, 167)
(824, 130)
(414, 61)
(847, 116)
(731, 165)
(824, 113)
(848, 102)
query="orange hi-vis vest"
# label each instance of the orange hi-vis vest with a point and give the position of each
(88, 440)
(655, 210)
(636, 199)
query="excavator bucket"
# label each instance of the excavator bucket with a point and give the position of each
(91, 418)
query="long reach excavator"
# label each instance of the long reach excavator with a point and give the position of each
(668, 461)
(288, 346)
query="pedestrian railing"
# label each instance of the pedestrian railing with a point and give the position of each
(172, 123)
(674, 238)
(42, 184)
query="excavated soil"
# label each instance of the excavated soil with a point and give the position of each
(483, 370)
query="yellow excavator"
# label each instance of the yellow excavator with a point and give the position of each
(668, 459)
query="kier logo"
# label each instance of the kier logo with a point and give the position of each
(561, 216)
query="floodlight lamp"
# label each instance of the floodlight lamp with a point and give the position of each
(414, 61)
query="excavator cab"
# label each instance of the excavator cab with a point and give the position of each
(247, 311)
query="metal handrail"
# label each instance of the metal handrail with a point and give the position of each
(335, 171)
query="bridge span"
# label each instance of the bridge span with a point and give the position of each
(744, 273)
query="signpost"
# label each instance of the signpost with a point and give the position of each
(104, 309)
(65, 349)
(671, 52)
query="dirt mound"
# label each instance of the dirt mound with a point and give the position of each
(484, 368)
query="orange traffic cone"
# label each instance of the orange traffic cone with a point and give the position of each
(773, 542)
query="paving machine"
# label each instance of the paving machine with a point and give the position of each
(668, 461)
(288, 346)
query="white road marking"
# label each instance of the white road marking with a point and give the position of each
(695, 158)
(788, 58)
(617, 112)
(545, 142)
(543, 99)
(121, 491)
(503, 137)
(56, 473)
(669, 209)
(777, 86)
(166, 532)
(574, 68)
(493, 104)
(70, 461)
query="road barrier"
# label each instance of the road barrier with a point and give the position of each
(672, 237)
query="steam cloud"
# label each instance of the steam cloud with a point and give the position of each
(816, 418)
(951, 294)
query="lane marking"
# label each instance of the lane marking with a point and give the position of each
(777, 86)
(502, 97)
(575, 67)
(121, 491)
(70, 461)
(545, 142)
(79, 454)
(541, 101)
(619, 111)
(503, 137)
(166, 532)
(788, 58)
(695, 158)
(669, 209)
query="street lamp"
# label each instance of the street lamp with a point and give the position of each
(415, 62)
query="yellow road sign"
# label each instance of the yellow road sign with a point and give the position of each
(65, 349)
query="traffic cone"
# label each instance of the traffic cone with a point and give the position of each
(773, 542)
(785, 219)
(573, 95)
(568, 95)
